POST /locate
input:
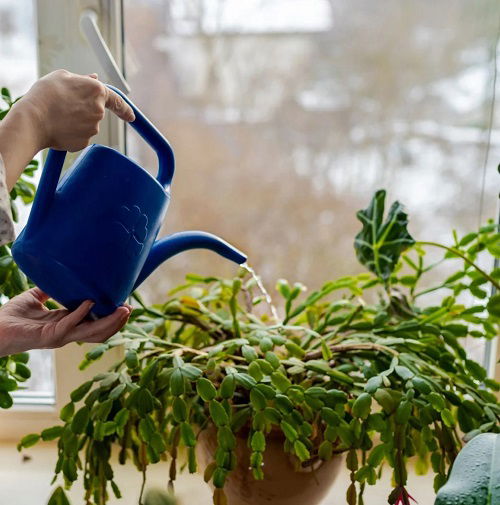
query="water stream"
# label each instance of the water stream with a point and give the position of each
(263, 290)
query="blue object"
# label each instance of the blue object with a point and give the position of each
(92, 234)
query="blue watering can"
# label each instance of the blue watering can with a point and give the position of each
(92, 235)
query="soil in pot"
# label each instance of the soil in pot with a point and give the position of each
(283, 483)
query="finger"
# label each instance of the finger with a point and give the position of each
(102, 329)
(116, 104)
(94, 75)
(70, 321)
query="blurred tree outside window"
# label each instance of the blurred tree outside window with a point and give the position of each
(286, 115)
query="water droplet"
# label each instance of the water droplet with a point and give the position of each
(263, 290)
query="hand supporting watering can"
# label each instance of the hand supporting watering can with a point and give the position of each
(119, 232)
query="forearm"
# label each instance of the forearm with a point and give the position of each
(20, 140)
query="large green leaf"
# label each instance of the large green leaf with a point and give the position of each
(380, 243)
(58, 497)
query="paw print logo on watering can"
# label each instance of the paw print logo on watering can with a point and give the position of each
(131, 229)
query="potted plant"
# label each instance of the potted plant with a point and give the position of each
(358, 372)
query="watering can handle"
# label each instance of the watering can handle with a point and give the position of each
(155, 139)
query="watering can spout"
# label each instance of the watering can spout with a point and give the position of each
(178, 242)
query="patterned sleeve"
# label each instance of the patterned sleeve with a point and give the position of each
(6, 223)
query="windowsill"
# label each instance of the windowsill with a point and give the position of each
(36, 466)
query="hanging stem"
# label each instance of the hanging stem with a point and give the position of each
(467, 260)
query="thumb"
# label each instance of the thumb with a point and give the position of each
(94, 75)
(116, 104)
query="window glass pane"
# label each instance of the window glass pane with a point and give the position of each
(286, 116)
(18, 70)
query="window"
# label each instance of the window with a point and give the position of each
(21, 60)
(18, 70)
(285, 116)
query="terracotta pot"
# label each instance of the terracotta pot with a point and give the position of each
(283, 484)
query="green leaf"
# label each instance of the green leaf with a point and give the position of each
(80, 420)
(258, 442)
(69, 470)
(147, 428)
(273, 359)
(58, 497)
(52, 433)
(301, 450)
(493, 246)
(331, 417)
(376, 455)
(493, 305)
(437, 401)
(81, 391)
(325, 450)
(352, 460)
(226, 438)
(475, 369)
(403, 412)
(248, 352)
(177, 382)
(179, 409)
(447, 418)
(67, 412)
(191, 372)
(284, 288)
(467, 239)
(373, 383)
(5, 93)
(404, 372)
(187, 435)
(257, 399)
(227, 387)
(380, 243)
(22, 357)
(149, 373)
(28, 441)
(361, 406)
(255, 371)
(245, 380)
(280, 381)
(421, 385)
(144, 401)
(131, 359)
(218, 413)
(385, 400)
(96, 352)
(117, 391)
(205, 389)
(294, 349)
(22, 370)
(121, 417)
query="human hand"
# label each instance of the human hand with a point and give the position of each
(25, 323)
(67, 108)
